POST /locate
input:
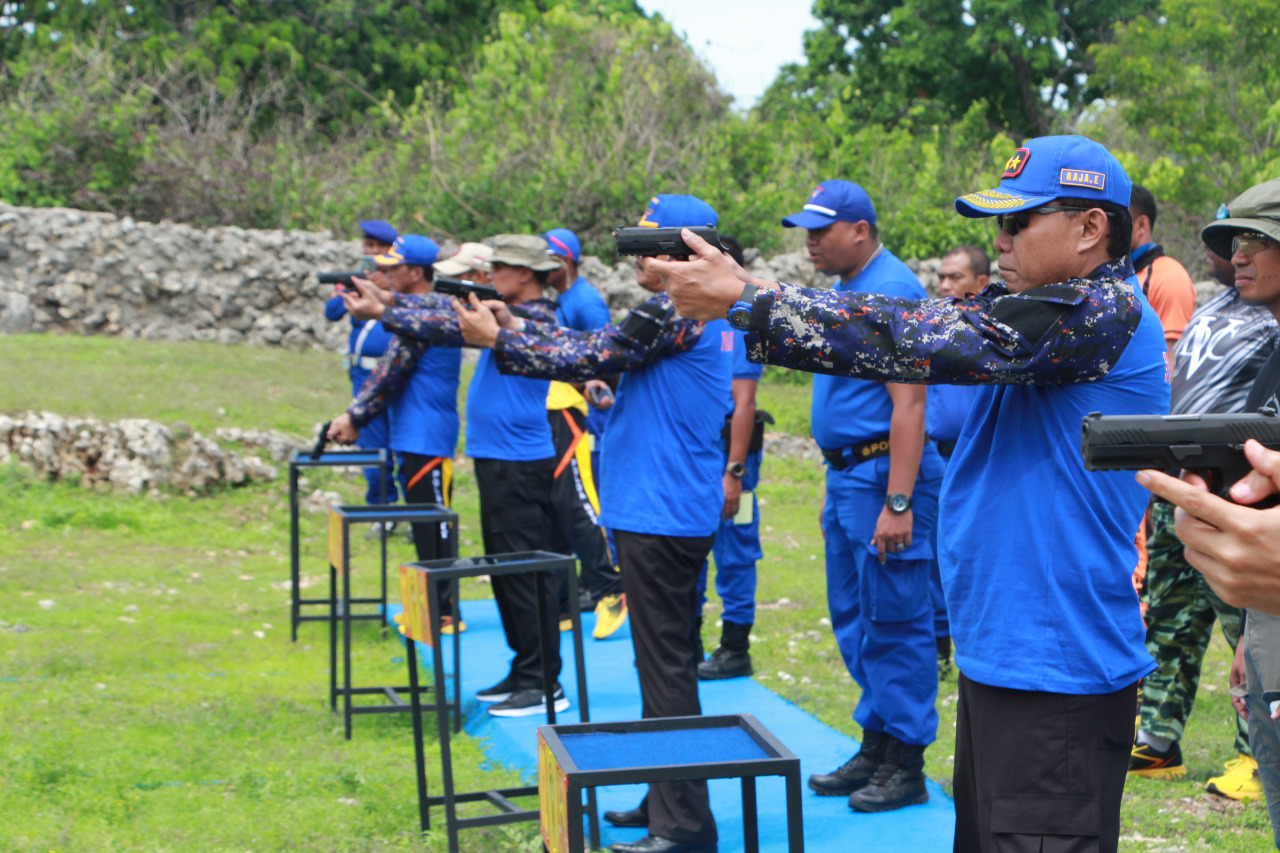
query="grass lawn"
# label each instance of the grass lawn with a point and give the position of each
(151, 699)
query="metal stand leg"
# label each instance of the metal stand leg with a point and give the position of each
(419, 757)
(544, 643)
(750, 824)
(456, 710)
(295, 609)
(442, 725)
(795, 816)
(584, 715)
(345, 604)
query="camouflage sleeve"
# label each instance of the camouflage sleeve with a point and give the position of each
(434, 327)
(432, 301)
(387, 380)
(1070, 332)
(649, 333)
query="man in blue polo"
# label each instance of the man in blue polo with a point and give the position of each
(882, 496)
(1036, 551)
(365, 345)
(661, 490)
(573, 496)
(415, 387)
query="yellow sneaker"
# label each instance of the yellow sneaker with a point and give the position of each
(566, 623)
(611, 612)
(447, 626)
(1240, 782)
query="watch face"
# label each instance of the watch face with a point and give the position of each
(740, 317)
(899, 503)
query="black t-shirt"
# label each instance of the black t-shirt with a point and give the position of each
(1266, 387)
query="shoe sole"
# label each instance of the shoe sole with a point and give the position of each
(890, 807)
(492, 698)
(827, 792)
(705, 677)
(1238, 797)
(598, 634)
(631, 824)
(1161, 772)
(561, 705)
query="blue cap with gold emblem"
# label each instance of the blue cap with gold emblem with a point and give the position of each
(1048, 168)
(678, 211)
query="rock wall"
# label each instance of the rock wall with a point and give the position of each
(95, 273)
(132, 456)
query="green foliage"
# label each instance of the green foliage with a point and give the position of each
(1200, 96)
(927, 61)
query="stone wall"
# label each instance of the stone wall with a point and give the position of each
(95, 273)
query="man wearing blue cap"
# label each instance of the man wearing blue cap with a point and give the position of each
(580, 306)
(661, 492)
(1036, 552)
(365, 345)
(883, 478)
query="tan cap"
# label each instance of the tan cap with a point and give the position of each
(523, 250)
(1255, 209)
(470, 256)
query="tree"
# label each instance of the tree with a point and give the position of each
(921, 62)
(1201, 96)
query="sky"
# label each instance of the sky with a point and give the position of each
(744, 41)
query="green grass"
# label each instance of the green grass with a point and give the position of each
(140, 711)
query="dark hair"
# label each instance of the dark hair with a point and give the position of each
(979, 263)
(873, 230)
(428, 271)
(1143, 203)
(1119, 220)
(734, 248)
(541, 276)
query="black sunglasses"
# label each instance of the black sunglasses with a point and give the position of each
(1014, 223)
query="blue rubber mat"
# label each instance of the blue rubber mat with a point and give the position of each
(829, 824)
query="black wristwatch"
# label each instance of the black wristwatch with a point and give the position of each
(897, 503)
(736, 469)
(740, 313)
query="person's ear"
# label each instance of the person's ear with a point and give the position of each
(1094, 228)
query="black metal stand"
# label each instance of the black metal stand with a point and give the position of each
(342, 518)
(559, 774)
(329, 459)
(543, 563)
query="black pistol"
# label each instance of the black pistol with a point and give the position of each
(645, 242)
(1210, 445)
(321, 440)
(450, 286)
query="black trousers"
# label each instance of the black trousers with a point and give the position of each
(577, 528)
(515, 515)
(434, 486)
(1040, 772)
(660, 578)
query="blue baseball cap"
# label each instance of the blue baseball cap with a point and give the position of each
(563, 242)
(410, 249)
(678, 211)
(833, 201)
(376, 229)
(1048, 168)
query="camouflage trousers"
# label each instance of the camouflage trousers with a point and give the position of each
(1180, 615)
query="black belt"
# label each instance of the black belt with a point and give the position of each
(847, 457)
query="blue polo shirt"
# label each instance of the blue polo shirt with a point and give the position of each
(946, 408)
(506, 415)
(424, 416)
(582, 307)
(1037, 553)
(850, 411)
(662, 459)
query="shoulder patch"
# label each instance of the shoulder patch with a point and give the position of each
(1034, 314)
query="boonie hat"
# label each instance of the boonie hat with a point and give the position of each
(1255, 209)
(470, 256)
(522, 250)
(1048, 168)
(833, 201)
(563, 242)
(678, 211)
(376, 229)
(409, 249)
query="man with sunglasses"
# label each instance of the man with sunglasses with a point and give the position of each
(1036, 552)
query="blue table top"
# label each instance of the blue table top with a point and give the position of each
(613, 750)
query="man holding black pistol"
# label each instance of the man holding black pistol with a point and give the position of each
(1046, 699)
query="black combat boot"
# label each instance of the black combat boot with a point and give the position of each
(898, 782)
(733, 658)
(857, 771)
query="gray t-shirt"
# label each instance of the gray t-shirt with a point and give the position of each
(1224, 345)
